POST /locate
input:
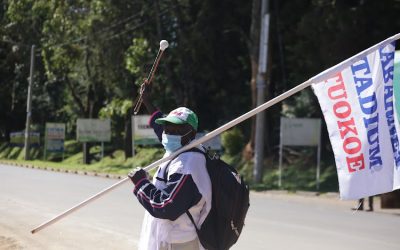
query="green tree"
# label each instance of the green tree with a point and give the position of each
(21, 25)
(84, 49)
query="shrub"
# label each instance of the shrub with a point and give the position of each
(232, 141)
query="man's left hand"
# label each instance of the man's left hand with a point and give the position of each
(137, 174)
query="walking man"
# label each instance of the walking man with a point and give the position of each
(179, 186)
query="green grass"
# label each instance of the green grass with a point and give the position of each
(299, 175)
(112, 163)
(296, 179)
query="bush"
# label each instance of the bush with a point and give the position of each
(233, 141)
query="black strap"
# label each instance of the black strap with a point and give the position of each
(166, 179)
(165, 175)
(187, 212)
(161, 179)
(194, 224)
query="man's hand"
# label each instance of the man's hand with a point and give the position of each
(138, 174)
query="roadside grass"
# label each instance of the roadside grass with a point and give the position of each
(297, 175)
(112, 163)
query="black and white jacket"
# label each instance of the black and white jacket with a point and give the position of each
(187, 186)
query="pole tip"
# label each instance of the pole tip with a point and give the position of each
(163, 45)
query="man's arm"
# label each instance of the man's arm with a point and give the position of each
(158, 129)
(180, 194)
(155, 113)
(146, 98)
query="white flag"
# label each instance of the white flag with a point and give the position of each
(358, 106)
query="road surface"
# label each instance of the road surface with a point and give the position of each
(29, 197)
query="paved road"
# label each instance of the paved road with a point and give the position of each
(28, 197)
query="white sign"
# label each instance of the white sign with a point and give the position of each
(55, 131)
(93, 130)
(54, 137)
(300, 131)
(17, 139)
(142, 133)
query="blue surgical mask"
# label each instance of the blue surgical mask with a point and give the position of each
(171, 143)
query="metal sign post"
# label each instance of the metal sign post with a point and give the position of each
(300, 132)
(93, 130)
(29, 106)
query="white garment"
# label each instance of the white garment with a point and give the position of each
(157, 233)
(191, 245)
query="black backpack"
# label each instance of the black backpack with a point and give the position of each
(230, 202)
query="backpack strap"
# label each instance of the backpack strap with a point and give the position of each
(165, 175)
(165, 179)
(194, 224)
(187, 212)
(161, 179)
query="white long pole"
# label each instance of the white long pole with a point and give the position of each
(318, 78)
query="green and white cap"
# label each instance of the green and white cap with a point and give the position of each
(180, 115)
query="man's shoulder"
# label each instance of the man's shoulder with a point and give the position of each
(197, 152)
(188, 160)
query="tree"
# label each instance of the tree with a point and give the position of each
(21, 24)
(84, 52)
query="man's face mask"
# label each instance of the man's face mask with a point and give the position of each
(172, 143)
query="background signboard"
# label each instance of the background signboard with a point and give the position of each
(54, 137)
(93, 130)
(142, 133)
(300, 131)
(17, 139)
